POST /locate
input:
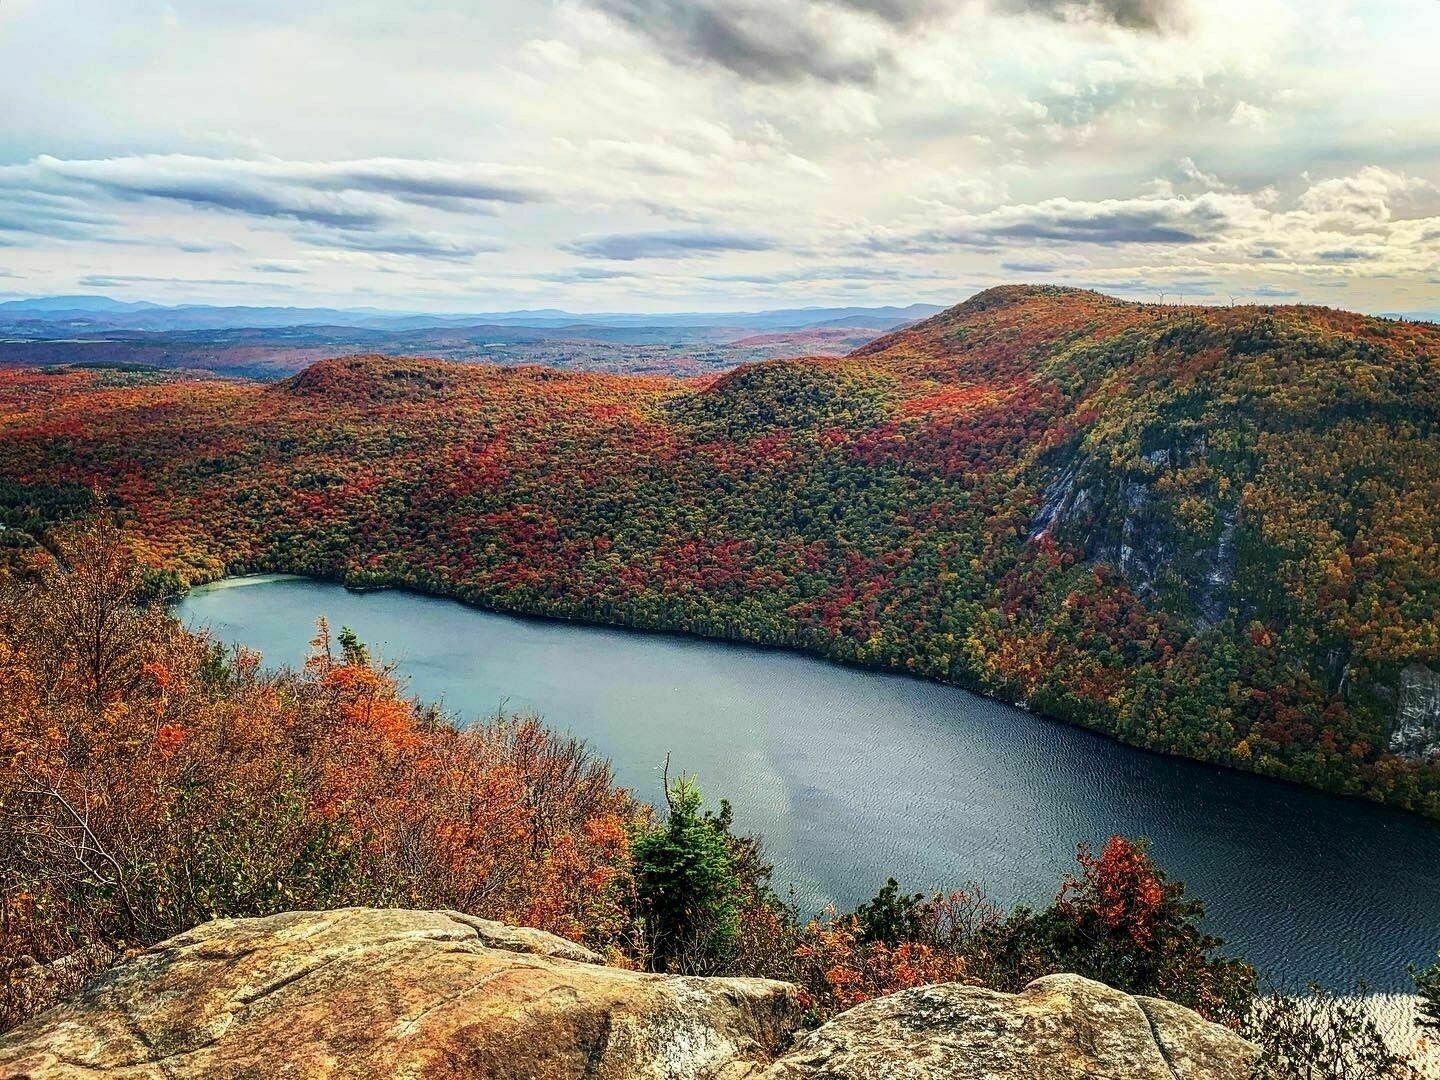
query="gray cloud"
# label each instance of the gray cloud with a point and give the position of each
(759, 40)
(671, 244)
(11, 222)
(42, 214)
(584, 273)
(1041, 265)
(109, 281)
(823, 273)
(387, 242)
(360, 205)
(1335, 255)
(236, 186)
(1113, 227)
(426, 182)
(771, 42)
(1107, 223)
(361, 194)
(899, 12)
(1187, 287)
(1131, 14)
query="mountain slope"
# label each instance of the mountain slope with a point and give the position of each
(1207, 531)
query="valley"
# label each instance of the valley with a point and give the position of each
(1209, 532)
(264, 344)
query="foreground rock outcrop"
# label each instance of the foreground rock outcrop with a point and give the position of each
(1061, 1027)
(364, 993)
(360, 993)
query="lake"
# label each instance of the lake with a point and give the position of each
(853, 776)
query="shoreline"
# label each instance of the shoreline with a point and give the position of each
(1281, 782)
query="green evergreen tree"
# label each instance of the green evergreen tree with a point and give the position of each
(893, 916)
(357, 653)
(687, 887)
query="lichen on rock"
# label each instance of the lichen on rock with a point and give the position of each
(1061, 1027)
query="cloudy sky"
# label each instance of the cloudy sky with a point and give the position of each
(713, 154)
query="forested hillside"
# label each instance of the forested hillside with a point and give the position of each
(1208, 531)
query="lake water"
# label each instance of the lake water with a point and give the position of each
(854, 776)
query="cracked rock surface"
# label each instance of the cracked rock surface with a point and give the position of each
(364, 993)
(367, 993)
(1061, 1027)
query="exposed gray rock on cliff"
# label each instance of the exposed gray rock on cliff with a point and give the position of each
(363, 993)
(1417, 713)
(1116, 517)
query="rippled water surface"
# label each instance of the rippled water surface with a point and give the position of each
(854, 776)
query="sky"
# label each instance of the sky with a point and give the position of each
(661, 155)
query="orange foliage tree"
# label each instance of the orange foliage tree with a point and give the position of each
(150, 780)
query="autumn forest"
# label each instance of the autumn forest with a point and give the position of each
(1206, 531)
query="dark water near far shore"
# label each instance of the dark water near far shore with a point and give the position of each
(853, 776)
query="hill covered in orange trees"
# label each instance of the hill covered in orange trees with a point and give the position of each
(1211, 532)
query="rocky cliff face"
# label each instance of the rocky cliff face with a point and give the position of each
(363, 993)
(1417, 715)
(1116, 517)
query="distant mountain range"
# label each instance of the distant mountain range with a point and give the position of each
(41, 317)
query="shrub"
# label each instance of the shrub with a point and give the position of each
(1122, 922)
(1119, 920)
(1317, 1036)
(843, 964)
(891, 917)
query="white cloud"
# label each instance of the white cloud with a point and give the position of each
(1362, 200)
(1245, 115)
(633, 153)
